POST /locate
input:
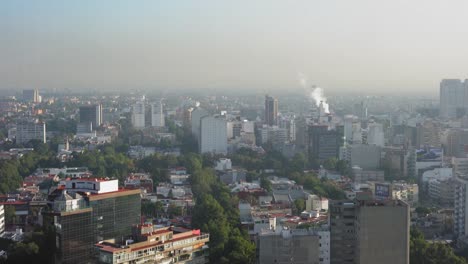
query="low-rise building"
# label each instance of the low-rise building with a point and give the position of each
(156, 245)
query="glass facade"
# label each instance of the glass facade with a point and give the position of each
(114, 217)
(74, 236)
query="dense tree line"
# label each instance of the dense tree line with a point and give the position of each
(216, 212)
(423, 252)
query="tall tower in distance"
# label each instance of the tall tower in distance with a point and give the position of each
(453, 98)
(91, 114)
(271, 111)
(31, 96)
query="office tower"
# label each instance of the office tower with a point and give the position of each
(453, 98)
(455, 142)
(91, 114)
(271, 110)
(375, 134)
(213, 134)
(294, 246)
(196, 117)
(138, 115)
(2, 220)
(31, 96)
(157, 115)
(369, 231)
(27, 130)
(157, 245)
(85, 211)
(324, 142)
(366, 157)
(273, 134)
(428, 134)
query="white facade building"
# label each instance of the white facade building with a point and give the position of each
(27, 130)
(157, 115)
(138, 115)
(375, 134)
(213, 136)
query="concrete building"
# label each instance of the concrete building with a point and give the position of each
(453, 98)
(428, 134)
(138, 115)
(324, 142)
(460, 219)
(375, 134)
(366, 157)
(223, 164)
(367, 232)
(196, 117)
(361, 176)
(27, 130)
(234, 128)
(91, 114)
(455, 142)
(213, 134)
(271, 111)
(442, 191)
(273, 134)
(156, 245)
(316, 203)
(31, 96)
(85, 211)
(157, 115)
(281, 245)
(382, 232)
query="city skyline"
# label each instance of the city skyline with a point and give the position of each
(360, 47)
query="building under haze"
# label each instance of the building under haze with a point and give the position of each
(369, 231)
(213, 134)
(31, 96)
(157, 115)
(138, 115)
(91, 114)
(271, 110)
(453, 98)
(324, 142)
(27, 130)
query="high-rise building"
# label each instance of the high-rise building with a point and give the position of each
(196, 117)
(375, 134)
(91, 114)
(157, 115)
(273, 134)
(271, 110)
(453, 98)
(460, 174)
(138, 115)
(156, 245)
(85, 211)
(369, 231)
(324, 142)
(213, 134)
(31, 96)
(27, 130)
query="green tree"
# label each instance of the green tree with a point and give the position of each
(299, 205)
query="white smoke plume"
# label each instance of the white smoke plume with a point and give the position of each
(314, 93)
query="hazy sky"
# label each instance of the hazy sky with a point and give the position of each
(340, 45)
